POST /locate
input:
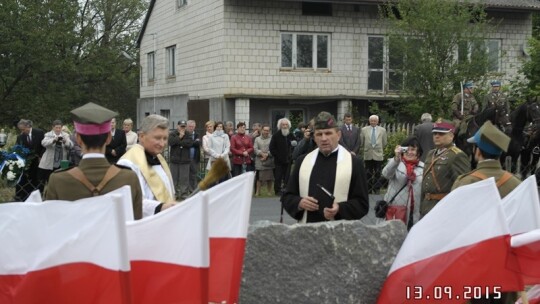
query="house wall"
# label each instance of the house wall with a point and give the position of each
(514, 29)
(231, 48)
(197, 30)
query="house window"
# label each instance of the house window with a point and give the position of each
(383, 65)
(151, 60)
(492, 48)
(171, 51)
(316, 9)
(305, 51)
(181, 3)
(165, 113)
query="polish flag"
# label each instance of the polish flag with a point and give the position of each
(526, 248)
(458, 250)
(230, 204)
(533, 296)
(64, 252)
(522, 207)
(169, 254)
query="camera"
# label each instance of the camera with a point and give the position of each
(404, 149)
(60, 138)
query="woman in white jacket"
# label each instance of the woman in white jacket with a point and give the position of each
(405, 169)
(57, 144)
(218, 146)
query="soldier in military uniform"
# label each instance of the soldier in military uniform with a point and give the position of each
(94, 175)
(496, 98)
(491, 142)
(470, 108)
(443, 165)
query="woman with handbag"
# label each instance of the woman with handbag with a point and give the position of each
(404, 173)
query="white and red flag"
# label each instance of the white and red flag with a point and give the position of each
(522, 207)
(533, 296)
(169, 254)
(230, 204)
(526, 248)
(457, 251)
(64, 252)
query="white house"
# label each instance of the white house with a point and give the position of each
(259, 60)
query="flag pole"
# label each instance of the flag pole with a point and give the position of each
(461, 85)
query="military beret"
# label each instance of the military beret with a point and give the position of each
(92, 119)
(490, 139)
(443, 127)
(325, 120)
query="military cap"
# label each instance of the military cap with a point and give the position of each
(496, 83)
(443, 127)
(325, 120)
(182, 123)
(92, 119)
(490, 139)
(468, 85)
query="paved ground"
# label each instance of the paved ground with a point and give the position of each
(269, 208)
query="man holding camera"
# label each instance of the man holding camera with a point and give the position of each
(181, 142)
(327, 183)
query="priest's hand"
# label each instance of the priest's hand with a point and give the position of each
(308, 203)
(330, 213)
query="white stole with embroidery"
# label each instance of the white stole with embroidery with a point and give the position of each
(343, 175)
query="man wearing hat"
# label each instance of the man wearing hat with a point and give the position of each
(469, 109)
(328, 176)
(496, 97)
(180, 141)
(94, 175)
(442, 167)
(490, 143)
(150, 166)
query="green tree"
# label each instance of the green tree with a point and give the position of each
(56, 55)
(530, 84)
(424, 37)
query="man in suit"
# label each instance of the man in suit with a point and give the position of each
(373, 139)
(30, 138)
(491, 142)
(424, 135)
(93, 126)
(350, 138)
(194, 155)
(117, 147)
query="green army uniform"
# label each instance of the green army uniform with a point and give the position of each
(491, 140)
(470, 108)
(93, 121)
(495, 99)
(489, 168)
(440, 172)
(62, 185)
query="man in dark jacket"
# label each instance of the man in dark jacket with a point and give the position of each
(180, 141)
(194, 155)
(29, 138)
(281, 146)
(117, 147)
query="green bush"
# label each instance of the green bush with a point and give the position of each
(394, 139)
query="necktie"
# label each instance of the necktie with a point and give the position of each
(29, 139)
(373, 138)
(349, 128)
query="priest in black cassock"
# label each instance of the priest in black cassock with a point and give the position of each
(328, 183)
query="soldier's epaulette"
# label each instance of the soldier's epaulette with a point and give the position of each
(123, 167)
(456, 150)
